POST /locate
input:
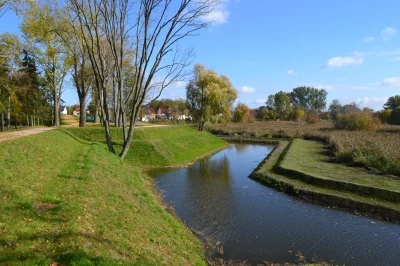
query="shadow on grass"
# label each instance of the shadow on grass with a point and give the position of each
(327, 155)
(87, 142)
(62, 254)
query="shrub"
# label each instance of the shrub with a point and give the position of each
(394, 118)
(297, 114)
(384, 115)
(312, 117)
(241, 113)
(357, 121)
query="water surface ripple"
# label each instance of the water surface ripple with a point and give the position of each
(257, 223)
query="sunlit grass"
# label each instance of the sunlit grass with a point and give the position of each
(378, 149)
(70, 201)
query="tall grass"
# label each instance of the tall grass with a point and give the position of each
(378, 149)
(357, 121)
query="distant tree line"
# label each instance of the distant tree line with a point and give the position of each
(302, 103)
(25, 97)
(389, 115)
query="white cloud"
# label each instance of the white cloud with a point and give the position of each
(391, 82)
(179, 84)
(388, 53)
(261, 101)
(336, 62)
(369, 39)
(247, 89)
(220, 14)
(291, 72)
(395, 59)
(388, 33)
(359, 54)
(325, 87)
(375, 103)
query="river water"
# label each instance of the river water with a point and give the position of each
(255, 223)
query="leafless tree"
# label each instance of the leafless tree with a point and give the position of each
(143, 34)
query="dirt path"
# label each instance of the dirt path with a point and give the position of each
(150, 126)
(69, 121)
(6, 136)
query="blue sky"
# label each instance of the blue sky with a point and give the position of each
(350, 48)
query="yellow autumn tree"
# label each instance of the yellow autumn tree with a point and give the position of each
(210, 96)
(241, 113)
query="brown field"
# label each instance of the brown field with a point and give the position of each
(379, 149)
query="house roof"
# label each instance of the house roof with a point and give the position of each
(62, 108)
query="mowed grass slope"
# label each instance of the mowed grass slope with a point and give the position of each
(379, 149)
(309, 157)
(158, 147)
(70, 201)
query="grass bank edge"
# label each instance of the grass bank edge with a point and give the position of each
(159, 147)
(265, 173)
(378, 149)
(127, 184)
(288, 167)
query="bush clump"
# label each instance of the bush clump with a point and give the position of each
(357, 121)
(312, 117)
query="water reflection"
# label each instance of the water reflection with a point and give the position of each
(241, 149)
(255, 223)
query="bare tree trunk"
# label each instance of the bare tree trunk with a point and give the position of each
(106, 123)
(56, 121)
(128, 141)
(116, 109)
(9, 114)
(82, 114)
(2, 122)
(96, 113)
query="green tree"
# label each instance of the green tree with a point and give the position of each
(297, 114)
(394, 118)
(309, 98)
(281, 104)
(42, 22)
(384, 116)
(209, 95)
(392, 103)
(35, 103)
(241, 112)
(369, 110)
(335, 108)
(9, 63)
(350, 108)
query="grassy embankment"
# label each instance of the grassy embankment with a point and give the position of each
(303, 169)
(66, 199)
(377, 149)
(320, 170)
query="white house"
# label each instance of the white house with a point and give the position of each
(63, 110)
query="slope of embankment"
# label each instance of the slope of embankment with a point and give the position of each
(301, 168)
(64, 198)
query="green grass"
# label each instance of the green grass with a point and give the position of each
(158, 147)
(292, 185)
(312, 158)
(70, 201)
(379, 149)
